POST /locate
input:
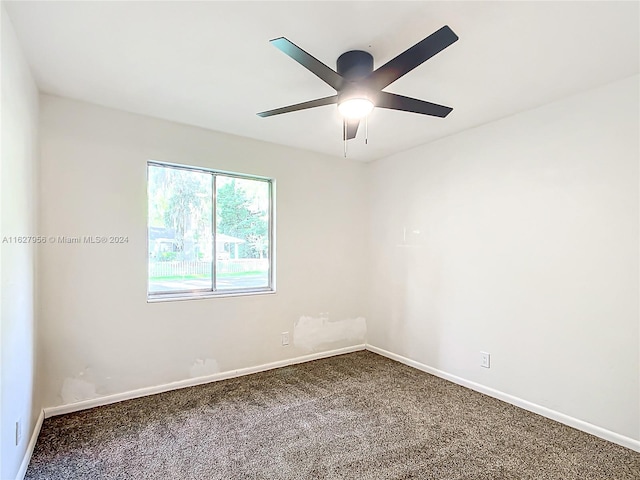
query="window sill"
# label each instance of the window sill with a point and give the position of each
(178, 297)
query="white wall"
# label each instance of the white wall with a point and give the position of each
(17, 261)
(527, 249)
(100, 336)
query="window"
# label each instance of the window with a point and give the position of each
(209, 233)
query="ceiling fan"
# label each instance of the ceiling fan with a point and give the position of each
(359, 87)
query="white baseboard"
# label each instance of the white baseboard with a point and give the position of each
(190, 382)
(518, 402)
(32, 444)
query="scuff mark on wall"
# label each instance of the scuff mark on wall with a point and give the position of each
(201, 368)
(310, 333)
(78, 388)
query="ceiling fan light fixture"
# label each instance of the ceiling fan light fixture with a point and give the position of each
(355, 108)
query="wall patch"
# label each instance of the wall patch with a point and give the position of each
(310, 333)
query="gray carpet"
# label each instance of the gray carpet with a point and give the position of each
(355, 416)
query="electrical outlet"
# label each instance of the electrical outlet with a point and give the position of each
(18, 432)
(485, 359)
(285, 338)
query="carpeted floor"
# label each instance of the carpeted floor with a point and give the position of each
(356, 416)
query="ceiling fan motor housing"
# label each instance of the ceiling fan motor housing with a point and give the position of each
(353, 66)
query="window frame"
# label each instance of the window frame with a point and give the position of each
(176, 295)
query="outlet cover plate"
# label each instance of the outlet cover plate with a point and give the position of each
(485, 359)
(18, 432)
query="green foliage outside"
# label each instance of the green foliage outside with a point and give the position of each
(239, 216)
(205, 277)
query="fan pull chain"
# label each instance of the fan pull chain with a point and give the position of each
(366, 130)
(344, 136)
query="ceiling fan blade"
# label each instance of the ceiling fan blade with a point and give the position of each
(411, 58)
(352, 128)
(408, 104)
(315, 66)
(300, 106)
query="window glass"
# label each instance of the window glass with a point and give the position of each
(187, 255)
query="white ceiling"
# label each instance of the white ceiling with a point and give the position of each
(210, 64)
